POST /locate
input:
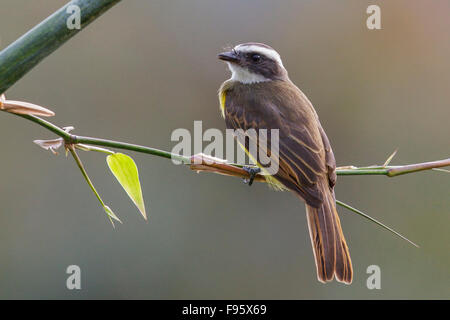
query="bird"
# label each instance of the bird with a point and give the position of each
(260, 95)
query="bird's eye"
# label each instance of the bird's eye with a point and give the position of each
(256, 57)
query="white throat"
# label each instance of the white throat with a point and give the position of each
(244, 76)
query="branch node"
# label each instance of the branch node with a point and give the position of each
(201, 162)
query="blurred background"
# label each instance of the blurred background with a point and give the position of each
(146, 68)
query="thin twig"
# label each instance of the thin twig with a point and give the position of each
(359, 212)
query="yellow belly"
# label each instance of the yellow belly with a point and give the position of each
(222, 98)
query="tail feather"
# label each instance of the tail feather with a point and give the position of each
(344, 270)
(329, 246)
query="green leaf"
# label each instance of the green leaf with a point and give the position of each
(126, 172)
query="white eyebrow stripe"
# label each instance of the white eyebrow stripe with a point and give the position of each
(270, 53)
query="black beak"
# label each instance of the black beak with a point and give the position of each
(229, 56)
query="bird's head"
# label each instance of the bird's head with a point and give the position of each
(254, 62)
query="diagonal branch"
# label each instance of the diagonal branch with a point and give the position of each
(27, 51)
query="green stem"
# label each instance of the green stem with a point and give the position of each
(130, 147)
(362, 214)
(85, 147)
(85, 175)
(47, 125)
(107, 209)
(27, 51)
(362, 171)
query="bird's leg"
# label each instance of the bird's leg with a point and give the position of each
(252, 171)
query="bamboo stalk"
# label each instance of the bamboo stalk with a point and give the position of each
(30, 49)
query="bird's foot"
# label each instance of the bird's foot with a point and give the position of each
(252, 171)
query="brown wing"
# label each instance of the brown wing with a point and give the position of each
(301, 150)
(329, 159)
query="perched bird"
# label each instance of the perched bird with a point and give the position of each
(260, 95)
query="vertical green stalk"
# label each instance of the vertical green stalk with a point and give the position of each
(80, 165)
(85, 175)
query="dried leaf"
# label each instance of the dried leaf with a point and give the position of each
(111, 215)
(68, 129)
(51, 145)
(21, 107)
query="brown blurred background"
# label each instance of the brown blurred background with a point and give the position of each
(148, 67)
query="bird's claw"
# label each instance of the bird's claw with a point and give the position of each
(252, 171)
